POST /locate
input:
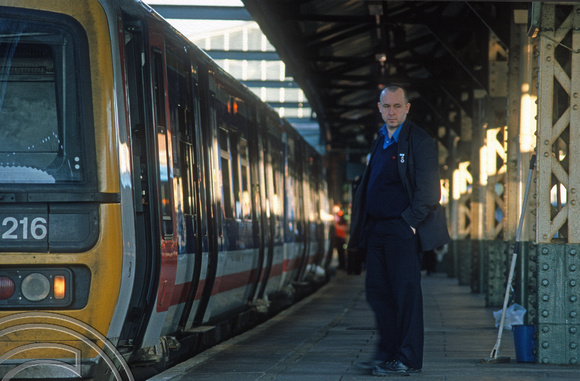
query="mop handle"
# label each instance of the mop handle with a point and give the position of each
(527, 191)
(516, 248)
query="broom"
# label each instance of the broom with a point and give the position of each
(494, 357)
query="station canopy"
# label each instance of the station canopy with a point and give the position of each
(342, 52)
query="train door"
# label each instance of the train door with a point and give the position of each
(210, 201)
(153, 167)
(280, 262)
(318, 227)
(294, 208)
(239, 255)
(275, 176)
(314, 210)
(264, 198)
(183, 99)
(146, 262)
(253, 171)
(302, 193)
(164, 178)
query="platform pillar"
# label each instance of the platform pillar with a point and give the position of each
(478, 188)
(558, 183)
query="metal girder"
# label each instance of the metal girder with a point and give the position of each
(489, 18)
(271, 84)
(341, 52)
(334, 34)
(558, 184)
(521, 140)
(558, 148)
(495, 167)
(190, 12)
(243, 55)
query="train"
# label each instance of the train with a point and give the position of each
(151, 205)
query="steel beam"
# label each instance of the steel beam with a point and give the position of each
(559, 127)
(558, 183)
(191, 12)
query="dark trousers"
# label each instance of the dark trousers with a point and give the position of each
(393, 289)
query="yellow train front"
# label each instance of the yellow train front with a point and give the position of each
(150, 205)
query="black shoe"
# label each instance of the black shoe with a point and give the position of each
(395, 367)
(367, 365)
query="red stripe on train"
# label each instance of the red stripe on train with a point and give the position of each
(229, 282)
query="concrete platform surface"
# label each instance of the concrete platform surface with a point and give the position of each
(321, 337)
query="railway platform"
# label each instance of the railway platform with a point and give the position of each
(321, 337)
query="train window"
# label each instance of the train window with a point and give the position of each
(235, 155)
(159, 91)
(225, 173)
(43, 67)
(180, 97)
(290, 149)
(245, 169)
(162, 145)
(278, 188)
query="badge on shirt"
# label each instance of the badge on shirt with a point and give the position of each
(402, 157)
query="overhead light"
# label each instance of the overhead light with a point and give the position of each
(381, 57)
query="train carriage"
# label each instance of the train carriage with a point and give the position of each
(150, 204)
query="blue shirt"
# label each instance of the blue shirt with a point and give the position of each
(386, 195)
(388, 141)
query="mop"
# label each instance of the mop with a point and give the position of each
(494, 357)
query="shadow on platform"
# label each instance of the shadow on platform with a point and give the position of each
(321, 337)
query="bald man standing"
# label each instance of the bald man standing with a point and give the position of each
(396, 216)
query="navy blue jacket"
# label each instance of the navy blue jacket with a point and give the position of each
(418, 165)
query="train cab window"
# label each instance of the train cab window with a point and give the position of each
(162, 145)
(45, 104)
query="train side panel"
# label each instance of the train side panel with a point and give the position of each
(65, 185)
(174, 205)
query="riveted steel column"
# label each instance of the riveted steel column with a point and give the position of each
(498, 259)
(472, 275)
(520, 146)
(558, 217)
(526, 293)
(492, 166)
(453, 220)
(495, 211)
(461, 203)
(558, 304)
(462, 179)
(559, 126)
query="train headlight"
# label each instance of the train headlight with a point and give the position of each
(44, 287)
(35, 287)
(6, 287)
(59, 287)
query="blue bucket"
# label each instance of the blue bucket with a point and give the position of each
(524, 342)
